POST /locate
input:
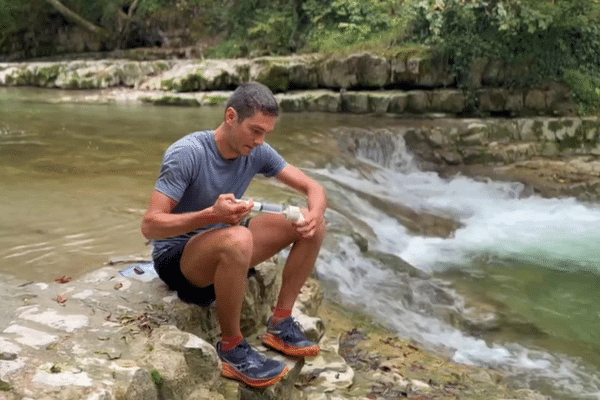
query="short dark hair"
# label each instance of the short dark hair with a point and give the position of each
(251, 97)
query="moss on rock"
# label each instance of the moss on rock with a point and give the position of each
(24, 77)
(175, 101)
(538, 129)
(168, 84)
(558, 124)
(276, 77)
(47, 75)
(216, 100)
(191, 83)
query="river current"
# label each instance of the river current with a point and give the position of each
(75, 179)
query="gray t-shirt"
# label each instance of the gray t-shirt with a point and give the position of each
(194, 173)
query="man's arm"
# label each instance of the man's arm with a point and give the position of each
(160, 223)
(317, 200)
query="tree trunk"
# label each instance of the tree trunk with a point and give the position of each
(79, 20)
(128, 18)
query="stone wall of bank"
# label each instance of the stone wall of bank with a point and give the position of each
(356, 83)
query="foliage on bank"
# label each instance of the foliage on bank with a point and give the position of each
(539, 40)
(542, 40)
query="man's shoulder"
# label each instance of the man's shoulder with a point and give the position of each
(195, 137)
(191, 141)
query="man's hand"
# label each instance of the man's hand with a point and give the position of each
(307, 227)
(230, 211)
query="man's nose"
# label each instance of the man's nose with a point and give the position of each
(259, 140)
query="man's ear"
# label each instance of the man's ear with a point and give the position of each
(230, 116)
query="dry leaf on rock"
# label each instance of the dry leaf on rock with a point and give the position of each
(63, 279)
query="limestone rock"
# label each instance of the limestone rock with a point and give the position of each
(141, 387)
(418, 101)
(141, 343)
(310, 298)
(429, 72)
(398, 103)
(273, 73)
(328, 371)
(448, 100)
(338, 73)
(356, 70)
(293, 102)
(374, 71)
(494, 74)
(493, 100)
(180, 360)
(324, 100)
(535, 100)
(155, 82)
(355, 102)
(379, 103)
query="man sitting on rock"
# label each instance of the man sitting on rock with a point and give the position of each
(205, 246)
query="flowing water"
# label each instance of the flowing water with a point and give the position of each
(75, 179)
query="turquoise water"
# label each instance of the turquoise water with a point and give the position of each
(529, 261)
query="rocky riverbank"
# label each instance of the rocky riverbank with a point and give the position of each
(553, 157)
(108, 336)
(357, 83)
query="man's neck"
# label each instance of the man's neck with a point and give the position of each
(220, 140)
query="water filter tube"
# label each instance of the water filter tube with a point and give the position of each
(292, 213)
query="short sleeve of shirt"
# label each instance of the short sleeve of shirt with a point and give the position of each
(176, 172)
(273, 161)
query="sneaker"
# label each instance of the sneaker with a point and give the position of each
(243, 363)
(287, 337)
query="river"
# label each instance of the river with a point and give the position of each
(76, 179)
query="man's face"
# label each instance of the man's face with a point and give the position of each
(249, 133)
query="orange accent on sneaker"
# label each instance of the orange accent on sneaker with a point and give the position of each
(230, 372)
(279, 345)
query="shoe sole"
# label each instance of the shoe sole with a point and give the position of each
(279, 345)
(230, 372)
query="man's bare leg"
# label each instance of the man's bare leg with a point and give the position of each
(271, 234)
(222, 257)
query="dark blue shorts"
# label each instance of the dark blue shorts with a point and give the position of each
(168, 269)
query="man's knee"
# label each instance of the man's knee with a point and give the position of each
(320, 231)
(237, 241)
(319, 234)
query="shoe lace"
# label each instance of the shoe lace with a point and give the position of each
(291, 330)
(251, 358)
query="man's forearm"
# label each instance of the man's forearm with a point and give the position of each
(164, 225)
(317, 199)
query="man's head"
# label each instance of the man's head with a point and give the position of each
(250, 115)
(251, 97)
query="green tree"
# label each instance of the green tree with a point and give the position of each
(541, 40)
(24, 25)
(342, 23)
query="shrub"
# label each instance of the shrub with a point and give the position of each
(550, 38)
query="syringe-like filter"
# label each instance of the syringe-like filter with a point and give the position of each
(292, 213)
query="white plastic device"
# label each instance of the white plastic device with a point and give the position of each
(292, 213)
